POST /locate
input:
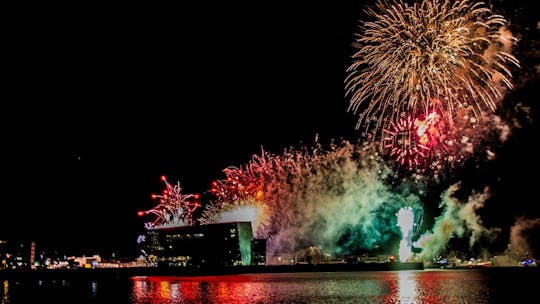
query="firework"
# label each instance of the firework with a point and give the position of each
(404, 143)
(413, 142)
(247, 210)
(238, 185)
(335, 198)
(447, 57)
(240, 195)
(405, 221)
(173, 208)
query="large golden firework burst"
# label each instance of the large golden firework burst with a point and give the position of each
(457, 53)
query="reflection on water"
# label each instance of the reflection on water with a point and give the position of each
(415, 286)
(339, 287)
(406, 287)
(5, 292)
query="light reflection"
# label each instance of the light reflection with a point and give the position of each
(407, 289)
(93, 290)
(175, 290)
(413, 287)
(431, 288)
(164, 290)
(424, 286)
(219, 289)
(5, 293)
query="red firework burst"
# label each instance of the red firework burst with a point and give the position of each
(411, 140)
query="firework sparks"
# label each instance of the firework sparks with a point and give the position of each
(447, 57)
(422, 80)
(335, 198)
(404, 143)
(405, 221)
(173, 208)
(248, 210)
(413, 142)
(238, 185)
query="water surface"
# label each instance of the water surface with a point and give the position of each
(407, 286)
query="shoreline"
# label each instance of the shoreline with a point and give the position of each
(127, 272)
(97, 273)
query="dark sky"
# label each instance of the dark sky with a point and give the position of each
(102, 101)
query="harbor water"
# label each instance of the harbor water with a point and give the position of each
(505, 285)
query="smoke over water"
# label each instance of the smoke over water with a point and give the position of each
(341, 203)
(457, 220)
(520, 234)
(340, 200)
(347, 199)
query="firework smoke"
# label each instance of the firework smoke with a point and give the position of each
(519, 247)
(426, 81)
(519, 243)
(338, 199)
(405, 221)
(458, 220)
(247, 210)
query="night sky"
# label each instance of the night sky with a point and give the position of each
(99, 102)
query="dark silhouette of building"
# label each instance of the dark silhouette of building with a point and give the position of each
(222, 244)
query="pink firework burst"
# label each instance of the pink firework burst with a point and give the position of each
(239, 184)
(429, 130)
(414, 141)
(403, 143)
(173, 209)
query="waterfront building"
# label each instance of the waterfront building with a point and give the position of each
(222, 244)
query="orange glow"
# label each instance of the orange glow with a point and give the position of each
(259, 194)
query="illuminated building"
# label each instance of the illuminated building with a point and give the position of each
(223, 244)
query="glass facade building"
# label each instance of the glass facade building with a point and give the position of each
(222, 244)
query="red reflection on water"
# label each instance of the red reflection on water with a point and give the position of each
(430, 288)
(412, 287)
(206, 289)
